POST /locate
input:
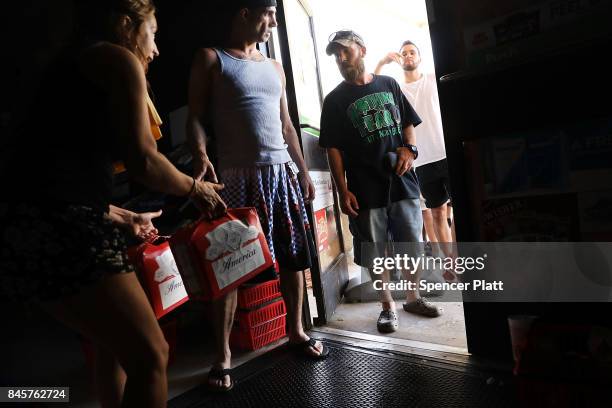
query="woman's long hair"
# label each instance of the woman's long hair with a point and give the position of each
(101, 20)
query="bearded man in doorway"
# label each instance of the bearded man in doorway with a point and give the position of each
(364, 120)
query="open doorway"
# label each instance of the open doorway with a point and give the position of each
(384, 25)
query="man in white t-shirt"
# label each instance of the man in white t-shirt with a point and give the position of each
(432, 170)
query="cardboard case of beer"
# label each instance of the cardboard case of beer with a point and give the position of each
(216, 256)
(159, 276)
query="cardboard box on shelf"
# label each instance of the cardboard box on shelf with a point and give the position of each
(531, 30)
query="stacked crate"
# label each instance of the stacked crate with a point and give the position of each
(261, 316)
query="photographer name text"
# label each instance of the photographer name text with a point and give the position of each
(423, 285)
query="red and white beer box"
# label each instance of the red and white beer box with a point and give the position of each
(216, 256)
(159, 276)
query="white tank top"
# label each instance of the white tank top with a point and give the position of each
(423, 96)
(246, 113)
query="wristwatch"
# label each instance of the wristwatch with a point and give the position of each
(413, 149)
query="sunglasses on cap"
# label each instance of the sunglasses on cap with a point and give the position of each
(345, 35)
(344, 38)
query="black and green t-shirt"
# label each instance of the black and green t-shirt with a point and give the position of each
(364, 122)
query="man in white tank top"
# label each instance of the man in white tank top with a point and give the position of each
(421, 91)
(241, 94)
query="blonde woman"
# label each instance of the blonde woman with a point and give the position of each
(62, 245)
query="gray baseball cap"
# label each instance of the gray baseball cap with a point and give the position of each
(253, 3)
(344, 38)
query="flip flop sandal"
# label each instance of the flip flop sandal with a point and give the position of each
(303, 346)
(217, 374)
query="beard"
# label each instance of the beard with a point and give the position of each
(410, 67)
(352, 72)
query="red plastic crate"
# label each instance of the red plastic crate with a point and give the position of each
(250, 295)
(247, 319)
(260, 335)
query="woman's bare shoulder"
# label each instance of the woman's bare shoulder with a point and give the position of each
(105, 61)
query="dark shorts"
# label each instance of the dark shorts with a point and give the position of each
(275, 192)
(434, 183)
(50, 253)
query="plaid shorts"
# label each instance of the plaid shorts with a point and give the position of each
(48, 253)
(274, 190)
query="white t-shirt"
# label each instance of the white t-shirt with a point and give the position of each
(423, 96)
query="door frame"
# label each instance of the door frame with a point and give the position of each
(326, 305)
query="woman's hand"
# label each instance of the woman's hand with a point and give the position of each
(142, 226)
(139, 225)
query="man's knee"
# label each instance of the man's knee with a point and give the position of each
(290, 275)
(223, 303)
(439, 213)
(291, 281)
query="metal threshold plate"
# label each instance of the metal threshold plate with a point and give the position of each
(354, 377)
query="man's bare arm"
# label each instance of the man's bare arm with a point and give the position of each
(202, 70)
(293, 144)
(348, 201)
(405, 157)
(390, 57)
